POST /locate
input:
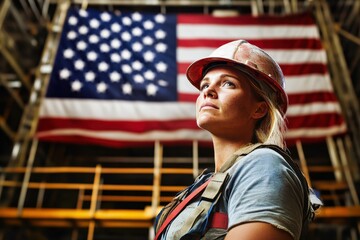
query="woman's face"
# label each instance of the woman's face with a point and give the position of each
(227, 105)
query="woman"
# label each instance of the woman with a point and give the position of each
(260, 193)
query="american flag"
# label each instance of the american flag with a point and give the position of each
(119, 77)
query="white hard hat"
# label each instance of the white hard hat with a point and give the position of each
(250, 59)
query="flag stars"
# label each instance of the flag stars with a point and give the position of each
(104, 48)
(126, 54)
(126, 68)
(94, 23)
(115, 76)
(148, 25)
(126, 21)
(79, 64)
(105, 33)
(127, 89)
(160, 18)
(163, 83)
(148, 40)
(103, 67)
(73, 20)
(137, 47)
(115, 27)
(137, 31)
(106, 17)
(71, 35)
(149, 56)
(137, 65)
(160, 34)
(83, 13)
(90, 76)
(64, 73)
(76, 86)
(115, 43)
(126, 36)
(149, 75)
(101, 87)
(68, 53)
(93, 39)
(136, 16)
(138, 78)
(161, 47)
(161, 67)
(81, 45)
(83, 30)
(115, 57)
(92, 56)
(151, 89)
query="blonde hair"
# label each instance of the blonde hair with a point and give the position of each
(271, 128)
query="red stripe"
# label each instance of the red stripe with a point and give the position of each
(312, 97)
(219, 220)
(46, 124)
(283, 44)
(314, 121)
(294, 19)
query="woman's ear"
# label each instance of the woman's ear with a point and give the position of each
(261, 110)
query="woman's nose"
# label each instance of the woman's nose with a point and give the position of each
(210, 92)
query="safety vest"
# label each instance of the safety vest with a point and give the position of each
(205, 222)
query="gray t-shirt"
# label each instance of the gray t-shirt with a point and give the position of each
(262, 188)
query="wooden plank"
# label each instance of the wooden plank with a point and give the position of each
(347, 212)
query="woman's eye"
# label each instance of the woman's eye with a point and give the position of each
(228, 84)
(203, 86)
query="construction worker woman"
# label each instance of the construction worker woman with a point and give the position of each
(256, 192)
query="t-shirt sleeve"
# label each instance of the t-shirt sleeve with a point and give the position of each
(263, 187)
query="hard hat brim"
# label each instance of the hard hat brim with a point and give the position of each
(195, 71)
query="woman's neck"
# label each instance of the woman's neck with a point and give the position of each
(224, 149)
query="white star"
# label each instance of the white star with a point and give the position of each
(71, 35)
(163, 83)
(90, 76)
(126, 36)
(92, 56)
(161, 47)
(126, 54)
(79, 64)
(65, 73)
(93, 38)
(115, 57)
(136, 16)
(115, 43)
(115, 76)
(148, 40)
(76, 86)
(101, 87)
(161, 67)
(126, 68)
(137, 31)
(104, 47)
(149, 75)
(73, 20)
(68, 53)
(81, 45)
(105, 17)
(94, 23)
(103, 66)
(151, 89)
(83, 13)
(127, 89)
(138, 78)
(115, 27)
(160, 34)
(105, 33)
(83, 30)
(126, 21)
(137, 65)
(160, 18)
(137, 47)
(149, 56)
(148, 25)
